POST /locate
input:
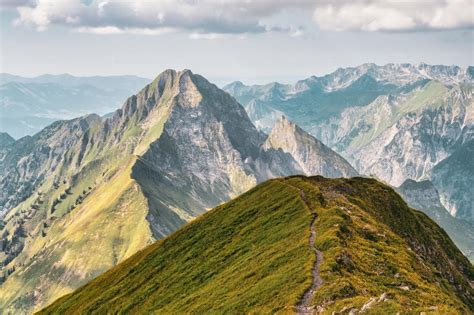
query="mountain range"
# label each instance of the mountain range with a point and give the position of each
(395, 122)
(27, 105)
(111, 186)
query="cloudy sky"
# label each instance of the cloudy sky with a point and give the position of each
(251, 40)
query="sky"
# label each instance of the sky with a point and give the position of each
(225, 40)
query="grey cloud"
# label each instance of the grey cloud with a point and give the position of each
(242, 16)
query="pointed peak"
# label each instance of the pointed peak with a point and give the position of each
(283, 124)
(167, 79)
(185, 72)
(282, 120)
(171, 74)
(286, 129)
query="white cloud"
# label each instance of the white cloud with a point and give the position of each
(395, 15)
(108, 30)
(212, 19)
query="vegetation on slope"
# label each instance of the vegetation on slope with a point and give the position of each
(251, 255)
(88, 202)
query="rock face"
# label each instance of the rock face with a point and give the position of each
(393, 122)
(455, 177)
(424, 196)
(312, 156)
(111, 186)
(28, 162)
(419, 139)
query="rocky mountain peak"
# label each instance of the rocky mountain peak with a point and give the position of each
(284, 125)
(285, 134)
(312, 156)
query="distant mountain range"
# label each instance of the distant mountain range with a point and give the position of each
(27, 105)
(393, 122)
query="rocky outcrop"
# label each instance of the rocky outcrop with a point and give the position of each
(454, 177)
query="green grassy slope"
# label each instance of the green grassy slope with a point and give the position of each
(102, 210)
(251, 255)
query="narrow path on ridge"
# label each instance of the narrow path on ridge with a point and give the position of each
(304, 305)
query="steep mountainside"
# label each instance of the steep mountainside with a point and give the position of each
(29, 104)
(424, 196)
(111, 186)
(430, 131)
(371, 254)
(399, 122)
(455, 177)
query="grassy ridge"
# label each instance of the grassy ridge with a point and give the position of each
(251, 255)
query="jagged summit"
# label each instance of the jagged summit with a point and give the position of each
(342, 78)
(312, 155)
